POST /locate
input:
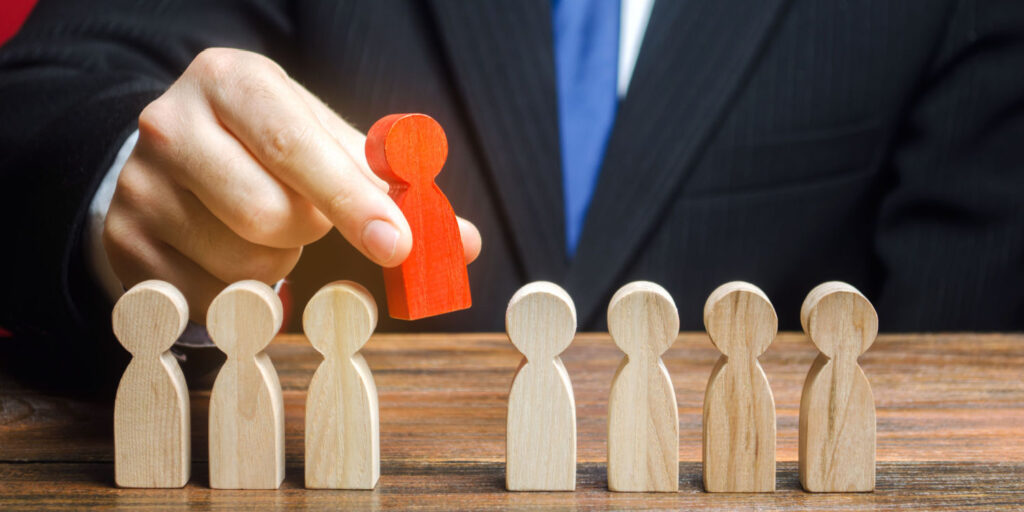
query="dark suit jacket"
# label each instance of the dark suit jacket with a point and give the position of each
(780, 142)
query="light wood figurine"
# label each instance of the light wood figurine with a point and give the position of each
(246, 407)
(643, 418)
(540, 435)
(152, 436)
(837, 408)
(739, 409)
(342, 424)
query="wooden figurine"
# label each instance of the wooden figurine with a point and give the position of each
(837, 408)
(540, 435)
(246, 407)
(408, 151)
(342, 425)
(643, 419)
(739, 409)
(152, 436)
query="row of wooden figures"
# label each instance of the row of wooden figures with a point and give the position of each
(246, 416)
(151, 411)
(837, 412)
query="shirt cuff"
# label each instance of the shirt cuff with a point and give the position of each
(96, 255)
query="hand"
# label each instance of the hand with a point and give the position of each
(238, 167)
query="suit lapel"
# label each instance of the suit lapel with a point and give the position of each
(502, 61)
(693, 59)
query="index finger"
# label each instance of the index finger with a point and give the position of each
(259, 106)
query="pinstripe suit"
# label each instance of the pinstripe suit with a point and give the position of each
(783, 142)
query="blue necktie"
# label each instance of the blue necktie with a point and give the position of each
(586, 61)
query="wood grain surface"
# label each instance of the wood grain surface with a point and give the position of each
(950, 411)
(152, 423)
(837, 407)
(246, 413)
(540, 433)
(643, 415)
(739, 411)
(342, 419)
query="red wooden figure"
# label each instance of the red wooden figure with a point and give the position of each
(408, 151)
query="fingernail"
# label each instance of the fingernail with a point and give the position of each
(380, 239)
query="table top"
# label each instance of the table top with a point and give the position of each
(950, 411)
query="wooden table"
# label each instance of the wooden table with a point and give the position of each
(950, 430)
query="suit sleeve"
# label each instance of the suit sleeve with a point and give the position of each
(950, 235)
(72, 84)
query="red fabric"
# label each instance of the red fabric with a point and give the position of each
(12, 15)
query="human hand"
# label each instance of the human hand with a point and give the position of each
(237, 167)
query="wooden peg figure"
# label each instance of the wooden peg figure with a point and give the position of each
(152, 436)
(408, 151)
(246, 407)
(739, 409)
(342, 423)
(643, 419)
(540, 435)
(837, 408)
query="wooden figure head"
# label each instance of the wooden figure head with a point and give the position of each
(839, 319)
(243, 319)
(150, 317)
(541, 320)
(643, 319)
(406, 148)
(740, 319)
(340, 318)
